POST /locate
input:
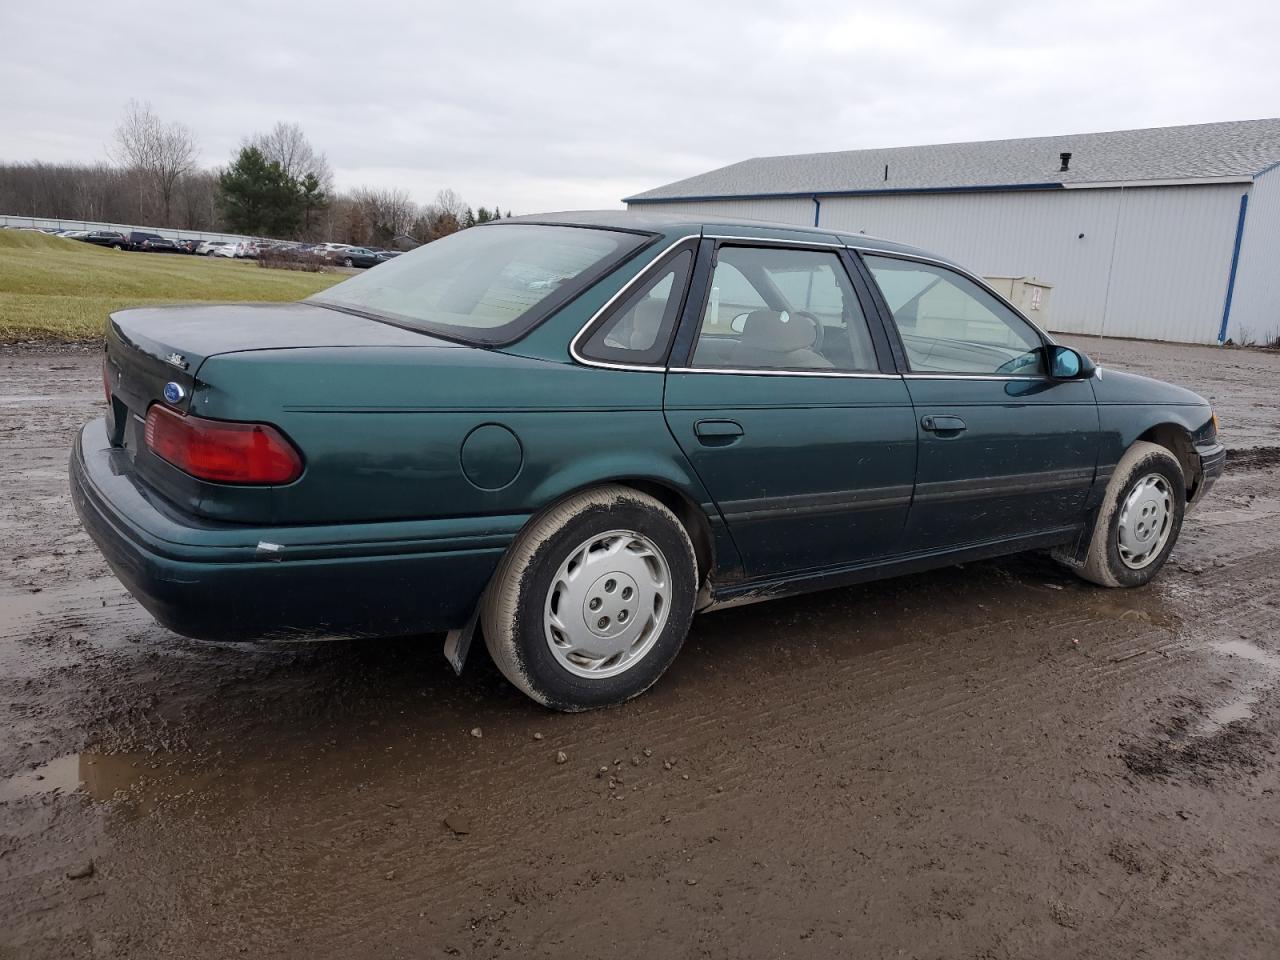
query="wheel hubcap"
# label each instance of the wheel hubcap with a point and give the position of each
(607, 604)
(1146, 519)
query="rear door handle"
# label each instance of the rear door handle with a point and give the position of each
(717, 433)
(943, 425)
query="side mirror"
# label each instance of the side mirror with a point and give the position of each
(1067, 364)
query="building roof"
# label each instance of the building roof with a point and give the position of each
(1232, 151)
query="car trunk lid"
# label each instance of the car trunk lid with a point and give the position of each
(149, 348)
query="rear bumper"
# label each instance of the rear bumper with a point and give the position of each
(232, 582)
(1213, 460)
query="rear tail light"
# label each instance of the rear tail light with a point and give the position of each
(222, 451)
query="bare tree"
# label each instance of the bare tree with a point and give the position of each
(449, 203)
(441, 217)
(385, 214)
(162, 153)
(288, 146)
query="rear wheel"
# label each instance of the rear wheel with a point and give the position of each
(1140, 518)
(593, 601)
(348, 262)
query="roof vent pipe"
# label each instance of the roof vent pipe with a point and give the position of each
(1066, 162)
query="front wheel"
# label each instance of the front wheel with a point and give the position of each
(1139, 520)
(593, 601)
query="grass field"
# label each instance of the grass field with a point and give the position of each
(56, 289)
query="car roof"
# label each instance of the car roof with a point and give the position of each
(667, 223)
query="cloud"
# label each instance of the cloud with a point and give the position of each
(565, 104)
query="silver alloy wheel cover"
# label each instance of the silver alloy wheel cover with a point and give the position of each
(607, 604)
(1146, 520)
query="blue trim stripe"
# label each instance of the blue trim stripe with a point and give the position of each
(810, 194)
(817, 210)
(1235, 263)
(1267, 169)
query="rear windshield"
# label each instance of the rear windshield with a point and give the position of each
(486, 284)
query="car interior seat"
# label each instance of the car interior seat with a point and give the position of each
(779, 341)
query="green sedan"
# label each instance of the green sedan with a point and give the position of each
(574, 432)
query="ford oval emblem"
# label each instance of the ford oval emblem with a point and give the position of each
(173, 392)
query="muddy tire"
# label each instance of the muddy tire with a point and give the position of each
(1139, 520)
(593, 601)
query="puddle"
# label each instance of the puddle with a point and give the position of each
(57, 776)
(27, 398)
(100, 776)
(144, 782)
(1241, 708)
(1249, 651)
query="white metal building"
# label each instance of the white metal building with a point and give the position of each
(1170, 233)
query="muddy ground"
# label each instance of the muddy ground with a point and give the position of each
(996, 761)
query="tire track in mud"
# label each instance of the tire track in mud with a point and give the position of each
(934, 770)
(927, 716)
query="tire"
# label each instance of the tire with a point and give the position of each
(348, 262)
(573, 666)
(1151, 522)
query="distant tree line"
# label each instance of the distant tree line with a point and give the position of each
(276, 186)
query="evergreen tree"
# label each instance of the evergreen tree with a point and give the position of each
(258, 197)
(311, 198)
(468, 218)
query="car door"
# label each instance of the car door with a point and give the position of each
(1005, 451)
(783, 398)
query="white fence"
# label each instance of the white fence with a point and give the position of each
(53, 223)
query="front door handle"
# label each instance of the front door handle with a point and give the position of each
(717, 433)
(944, 426)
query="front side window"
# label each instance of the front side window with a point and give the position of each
(485, 284)
(782, 309)
(949, 324)
(639, 331)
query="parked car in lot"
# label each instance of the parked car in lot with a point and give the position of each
(134, 239)
(207, 247)
(160, 245)
(580, 430)
(355, 257)
(187, 245)
(104, 238)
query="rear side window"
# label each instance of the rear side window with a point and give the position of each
(782, 309)
(639, 331)
(486, 284)
(949, 324)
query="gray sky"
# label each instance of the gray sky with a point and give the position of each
(559, 105)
